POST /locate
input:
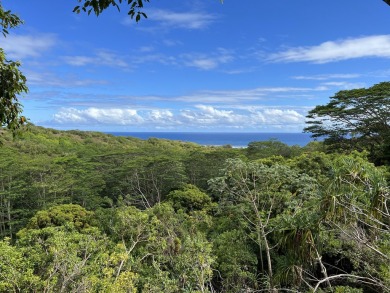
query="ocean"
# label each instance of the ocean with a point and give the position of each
(235, 139)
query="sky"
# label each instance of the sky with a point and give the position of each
(199, 65)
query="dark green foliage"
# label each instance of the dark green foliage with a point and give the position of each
(314, 164)
(236, 261)
(135, 7)
(97, 213)
(12, 84)
(42, 167)
(189, 198)
(272, 147)
(61, 215)
(12, 81)
(89, 212)
(204, 164)
(98, 6)
(355, 119)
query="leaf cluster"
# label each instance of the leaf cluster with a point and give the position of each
(98, 6)
(12, 80)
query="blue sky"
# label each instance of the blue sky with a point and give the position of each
(199, 65)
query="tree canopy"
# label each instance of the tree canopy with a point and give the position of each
(98, 6)
(358, 118)
(90, 212)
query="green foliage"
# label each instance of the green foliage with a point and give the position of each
(346, 289)
(355, 119)
(12, 84)
(167, 250)
(205, 163)
(65, 253)
(312, 220)
(236, 260)
(98, 6)
(272, 147)
(135, 7)
(314, 164)
(189, 198)
(16, 273)
(61, 215)
(12, 81)
(42, 168)
(266, 195)
(8, 20)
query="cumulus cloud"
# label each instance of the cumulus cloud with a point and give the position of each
(160, 117)
(331, 51)
(96, 115)
(199, 117)
(23, 46)
(261, 118)
(207, 115)
(282, 117)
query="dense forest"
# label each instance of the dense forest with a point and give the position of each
(90, 212)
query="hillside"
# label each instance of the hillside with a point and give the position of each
(90, 212)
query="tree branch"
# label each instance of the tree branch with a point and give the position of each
(364, 279)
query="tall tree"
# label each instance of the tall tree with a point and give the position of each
(358, 118)
(12, 81)
(263, 194)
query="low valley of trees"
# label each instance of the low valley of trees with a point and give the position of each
(90, 212)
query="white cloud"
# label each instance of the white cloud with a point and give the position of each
(245, 95)
(79, 60)
(260, 118)
(203, 63)
(344, 85)
(210, 113)
(210, 116)
(98, 116)
(51, 79)
(100, 58)
(285, 120)
(207, 62)
(161, 117)
(327, 76)
(146, 49)
(23, 46)
(199, 117)
(278, 116)
(172, 43)
(331, 51)
(153, 58)
(186, 20)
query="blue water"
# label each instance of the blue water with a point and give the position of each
(237, 139)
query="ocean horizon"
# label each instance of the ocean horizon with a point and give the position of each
(234, 139)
